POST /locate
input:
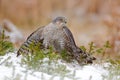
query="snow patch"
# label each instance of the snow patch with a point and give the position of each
(88, 72)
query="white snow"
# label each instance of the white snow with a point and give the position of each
(88, 72)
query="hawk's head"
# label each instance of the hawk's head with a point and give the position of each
(60, 21)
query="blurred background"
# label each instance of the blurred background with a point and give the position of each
(89, 20)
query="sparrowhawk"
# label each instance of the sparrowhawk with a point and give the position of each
(57, 35)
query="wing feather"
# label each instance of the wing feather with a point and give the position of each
(35, 37)
(36, 33)
(69, 35)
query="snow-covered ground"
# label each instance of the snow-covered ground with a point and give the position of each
(11, 69)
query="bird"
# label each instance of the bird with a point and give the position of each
(57, 35)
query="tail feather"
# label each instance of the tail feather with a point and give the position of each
(83, 57)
